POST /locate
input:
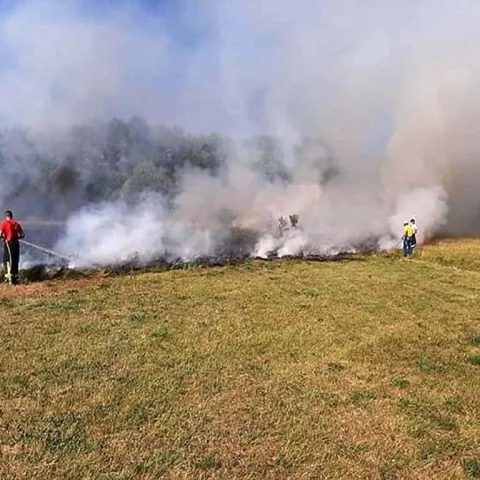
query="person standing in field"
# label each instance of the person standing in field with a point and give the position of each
(415, 230)
(11, 232)
(407, 239)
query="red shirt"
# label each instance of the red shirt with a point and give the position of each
(10, 230)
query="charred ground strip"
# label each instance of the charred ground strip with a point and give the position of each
(238, 247)
(43, 272)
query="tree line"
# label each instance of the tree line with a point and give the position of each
(121, 159)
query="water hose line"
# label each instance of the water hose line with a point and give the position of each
(45, 250)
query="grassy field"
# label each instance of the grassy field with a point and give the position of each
(361, 369)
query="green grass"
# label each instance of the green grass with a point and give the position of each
(472, 467)
(285, 369)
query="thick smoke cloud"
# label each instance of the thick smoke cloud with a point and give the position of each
(373, 108)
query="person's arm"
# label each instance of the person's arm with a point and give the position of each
(20, 232)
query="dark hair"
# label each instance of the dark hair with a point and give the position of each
(8, 213)
(412, 220)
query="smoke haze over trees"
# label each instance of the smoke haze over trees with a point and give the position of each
(122, 159)
(104, 161)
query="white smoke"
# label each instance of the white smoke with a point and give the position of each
(428, 206)
(117, 233)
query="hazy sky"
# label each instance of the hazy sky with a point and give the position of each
(233, 65)
(240, 65)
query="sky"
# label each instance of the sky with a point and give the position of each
(51, 52)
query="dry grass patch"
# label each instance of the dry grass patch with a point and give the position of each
(361, 369)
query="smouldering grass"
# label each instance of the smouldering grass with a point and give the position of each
(288, 369)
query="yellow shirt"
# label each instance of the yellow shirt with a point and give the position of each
(408, 231)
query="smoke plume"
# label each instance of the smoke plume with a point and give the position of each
(354, 116)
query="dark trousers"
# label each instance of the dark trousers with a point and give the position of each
(11, 255)
(407, 246)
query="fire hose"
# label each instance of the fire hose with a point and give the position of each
(46, 250)
(9, 264)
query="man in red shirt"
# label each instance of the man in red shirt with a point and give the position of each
(11, 232)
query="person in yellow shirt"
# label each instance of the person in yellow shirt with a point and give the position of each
(408, 235)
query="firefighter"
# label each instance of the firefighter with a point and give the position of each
(11, 232)
(407, 239)
(415, 230)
